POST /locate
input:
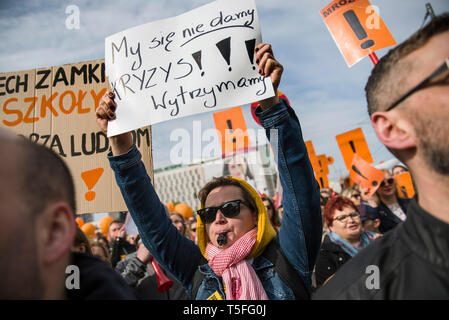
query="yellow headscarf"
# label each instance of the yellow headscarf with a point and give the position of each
(265, 231)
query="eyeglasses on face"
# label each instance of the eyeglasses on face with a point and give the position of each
(387, 181)
(344, 218)
(356, 195)
(229, 209)
(440, 70)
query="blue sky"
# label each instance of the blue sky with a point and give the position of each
(327, 96)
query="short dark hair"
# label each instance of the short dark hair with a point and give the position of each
(383, 86)
(81, 240)
(44, 177)
(226, 181)
(118, 221)
(275, 221)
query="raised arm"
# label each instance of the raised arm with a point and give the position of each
(300, 234)
(171, 250)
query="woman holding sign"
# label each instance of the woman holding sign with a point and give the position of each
(239, 255)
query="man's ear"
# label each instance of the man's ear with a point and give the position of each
(394, 132)
(56, 232)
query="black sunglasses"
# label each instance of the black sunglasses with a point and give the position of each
(389, 181)
(437, 72)
(229, 209)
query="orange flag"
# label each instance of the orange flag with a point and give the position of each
(404, 185)
(352, 142)
(231, 128)
(365, 175)
(356, 28)
(312, 156)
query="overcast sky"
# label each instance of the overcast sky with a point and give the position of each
(327, 96)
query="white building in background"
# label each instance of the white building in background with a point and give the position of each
(182, 184)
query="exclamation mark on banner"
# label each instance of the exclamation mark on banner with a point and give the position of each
(357, 27)
(356, 170)
(91, 178)
(234, 140)
(225, 49)
(351, 144)
(250, 46)
(197, 57)
(321, 182)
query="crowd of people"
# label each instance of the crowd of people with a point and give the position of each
(351, 221)
(238, 246)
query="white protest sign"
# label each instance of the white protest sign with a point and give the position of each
(130, 226)
(200, 61)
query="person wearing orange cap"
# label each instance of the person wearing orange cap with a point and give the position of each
(239, 254)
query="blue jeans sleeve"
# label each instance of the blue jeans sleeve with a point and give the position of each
(173, 251)
(300, 234)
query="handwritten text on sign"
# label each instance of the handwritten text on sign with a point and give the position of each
(200, 61)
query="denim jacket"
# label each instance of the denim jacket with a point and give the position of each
(300, 233)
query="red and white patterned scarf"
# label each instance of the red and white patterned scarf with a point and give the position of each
(240, 279)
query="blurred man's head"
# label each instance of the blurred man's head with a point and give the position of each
(414, 128)
(114, 229)
(37, 208)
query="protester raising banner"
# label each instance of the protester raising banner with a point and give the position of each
(200, 61)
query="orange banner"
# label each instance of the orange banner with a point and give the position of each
(404, 185)
(322, 180)
(324, 163)
(232, 131)
(356, 28)
(365, 175)
(312, 156)
(352, 142)
(320, 165)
